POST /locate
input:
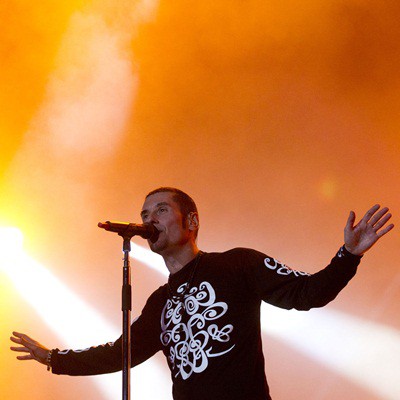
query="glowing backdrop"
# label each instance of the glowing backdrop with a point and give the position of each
(277, 117)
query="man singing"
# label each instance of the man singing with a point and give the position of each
(206, 318)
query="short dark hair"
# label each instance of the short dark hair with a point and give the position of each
(185, 202)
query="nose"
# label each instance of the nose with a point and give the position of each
(153, 218)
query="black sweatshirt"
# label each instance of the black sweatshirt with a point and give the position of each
(210, 331)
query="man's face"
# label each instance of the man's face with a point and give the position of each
(164, 213)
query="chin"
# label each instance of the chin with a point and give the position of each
(157, 247)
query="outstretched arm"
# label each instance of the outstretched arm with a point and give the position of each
(361, 237)
(35, 350)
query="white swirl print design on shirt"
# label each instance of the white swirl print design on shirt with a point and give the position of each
(282, 269)
(191, 343)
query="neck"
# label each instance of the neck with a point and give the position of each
(176, 260)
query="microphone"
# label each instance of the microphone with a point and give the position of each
(146, 231)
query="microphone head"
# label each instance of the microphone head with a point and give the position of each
(124, 229)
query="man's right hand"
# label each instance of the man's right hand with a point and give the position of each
(35, 350)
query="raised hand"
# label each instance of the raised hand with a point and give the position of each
(361, 237)
(35, 350)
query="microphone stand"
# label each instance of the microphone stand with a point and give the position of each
(126, 319)
(127, 231)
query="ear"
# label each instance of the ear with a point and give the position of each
(193, 221)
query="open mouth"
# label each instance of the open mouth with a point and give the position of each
(155, 235)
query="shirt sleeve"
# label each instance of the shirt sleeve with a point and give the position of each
(107, 358)
(281, 286)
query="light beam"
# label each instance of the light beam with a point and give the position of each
(73, 320)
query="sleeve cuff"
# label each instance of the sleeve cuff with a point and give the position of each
(343, 252)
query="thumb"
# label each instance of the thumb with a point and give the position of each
(350, 221)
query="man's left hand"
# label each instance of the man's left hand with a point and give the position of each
(361, 237)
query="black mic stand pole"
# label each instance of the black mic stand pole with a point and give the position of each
(127, 231)
(126, 320)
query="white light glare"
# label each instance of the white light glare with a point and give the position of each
(366, 352)
(149, 258)
(74, 321)
(11, 241)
